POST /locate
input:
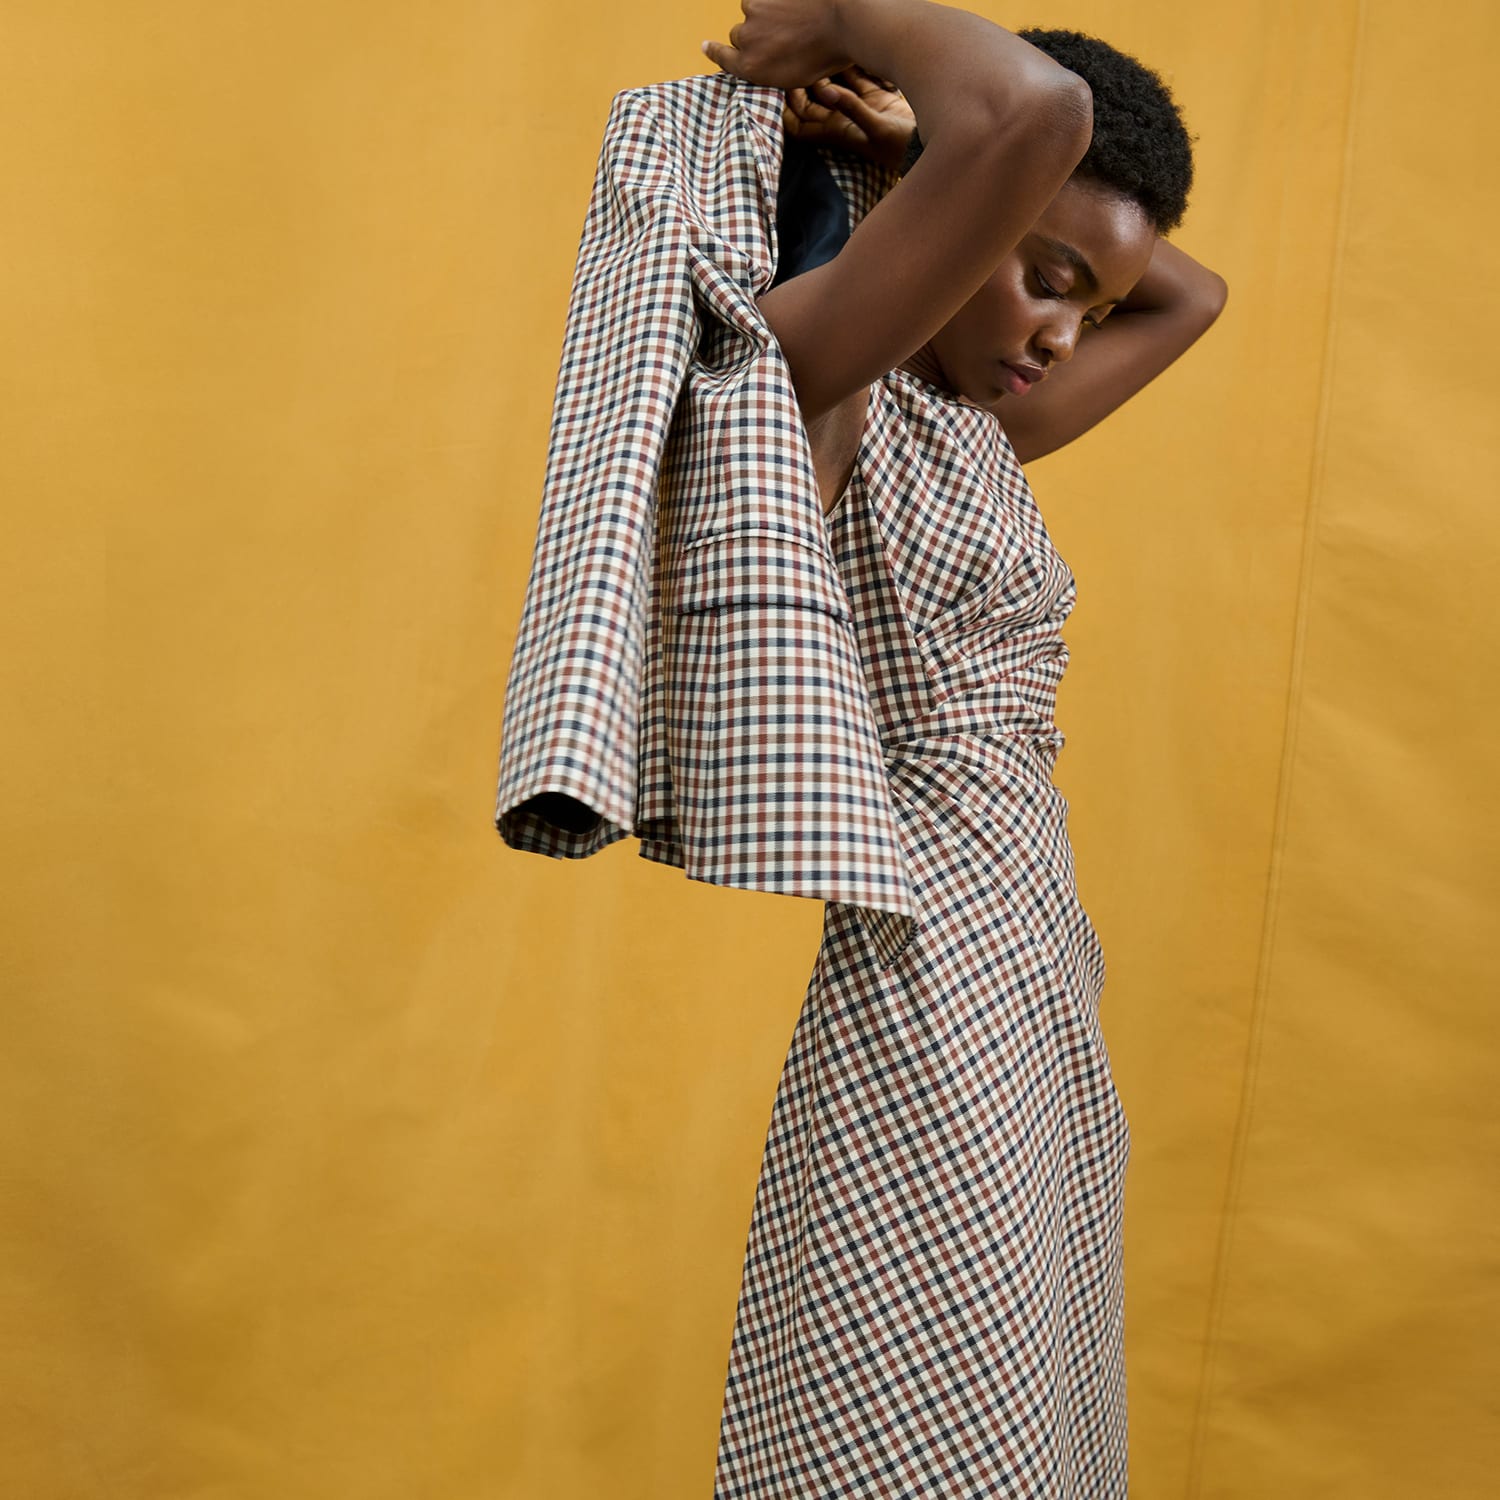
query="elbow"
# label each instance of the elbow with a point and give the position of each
(1047, 114)
(1213, 296)
(1070, 107)
(1200, 298)
(1057, 105)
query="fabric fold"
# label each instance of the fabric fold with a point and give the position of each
(685, 668)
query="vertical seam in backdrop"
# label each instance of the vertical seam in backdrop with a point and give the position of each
(1260, 999)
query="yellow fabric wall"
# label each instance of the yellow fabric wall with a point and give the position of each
(348, 1154)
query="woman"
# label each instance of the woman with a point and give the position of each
(932, 1299)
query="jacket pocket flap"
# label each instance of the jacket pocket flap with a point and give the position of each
(753, 566)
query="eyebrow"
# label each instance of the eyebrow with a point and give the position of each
(1074, 258)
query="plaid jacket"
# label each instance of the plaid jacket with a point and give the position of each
(685, 665)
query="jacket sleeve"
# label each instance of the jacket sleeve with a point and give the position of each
(568, 772)
(686, 668)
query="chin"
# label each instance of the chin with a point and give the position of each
(981, 393)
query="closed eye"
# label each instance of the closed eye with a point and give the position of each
(1048, 290)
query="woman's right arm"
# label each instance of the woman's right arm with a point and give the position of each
(1003, 125)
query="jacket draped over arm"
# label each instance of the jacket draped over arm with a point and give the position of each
(685, 669)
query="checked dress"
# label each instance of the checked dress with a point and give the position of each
(932, 1294)
(855, 709)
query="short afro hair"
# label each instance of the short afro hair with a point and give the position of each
(1140, 148)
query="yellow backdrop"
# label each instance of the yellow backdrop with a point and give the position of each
(351, 1156)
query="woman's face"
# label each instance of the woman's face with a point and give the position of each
(1084, 254)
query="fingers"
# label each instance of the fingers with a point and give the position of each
(845, 135)
(864, 83)
(725, 55)
(849, 104)
(803, 117)
(806, 107)
(812, 115)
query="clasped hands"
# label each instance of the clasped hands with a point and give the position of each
(830, 99)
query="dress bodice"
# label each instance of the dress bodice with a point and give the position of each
(958, 593)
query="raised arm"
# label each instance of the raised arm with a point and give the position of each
(1170, 308)
(1173, 304)
(1004, 126)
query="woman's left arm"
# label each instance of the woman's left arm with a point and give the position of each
(1168, 310)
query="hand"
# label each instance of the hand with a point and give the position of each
(783, 43)
(854, 111)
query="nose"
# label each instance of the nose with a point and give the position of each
(1058, 338)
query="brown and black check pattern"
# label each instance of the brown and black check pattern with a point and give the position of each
(932, 1301)
(686, 663)
(857, 709)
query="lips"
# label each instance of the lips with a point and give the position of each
(1020, 378)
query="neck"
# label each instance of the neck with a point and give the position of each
(923, 364)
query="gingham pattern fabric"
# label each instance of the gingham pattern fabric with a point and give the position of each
(858, 710)
(932, 1295)
(686, 664)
